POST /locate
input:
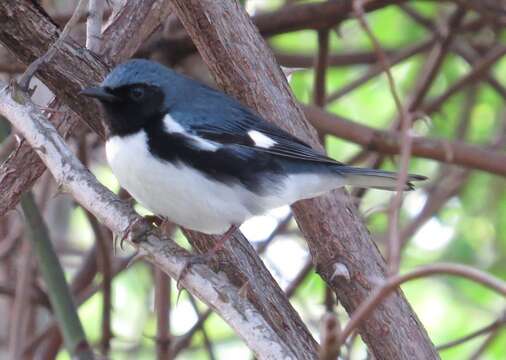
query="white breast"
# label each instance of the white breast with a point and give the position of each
(178, 192)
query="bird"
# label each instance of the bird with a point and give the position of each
(196, 156)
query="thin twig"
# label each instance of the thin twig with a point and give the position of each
(299, 278)
(184, 341)
(207, 341)
(435, 60)
(393, 226)
(21, 303)
(321, 64)
(24, 80)
(94, 25)
(104, 263)
(381, 292)
(488, 341)
(329, 334)
(497, 324)
(462, 48)
(451, 179)
(479, 69)
(280, 228)
(329, 300)
(378, 68)
(162, 307)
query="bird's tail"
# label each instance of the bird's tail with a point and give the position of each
(377, 179)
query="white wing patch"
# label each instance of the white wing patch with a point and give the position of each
(173, 127)
(204, 144)
(261, 140)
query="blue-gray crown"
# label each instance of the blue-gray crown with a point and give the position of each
(140, 71)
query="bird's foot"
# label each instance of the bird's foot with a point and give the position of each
(205, 258)
(198, 259)
(135, 232)
(153, 219)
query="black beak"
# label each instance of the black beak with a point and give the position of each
(99, 93)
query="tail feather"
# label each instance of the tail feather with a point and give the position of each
(377, 179)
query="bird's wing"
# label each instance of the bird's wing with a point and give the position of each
(249, 130)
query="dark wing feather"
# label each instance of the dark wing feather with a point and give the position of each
(215, 116)
(286, 144)
(234, 131)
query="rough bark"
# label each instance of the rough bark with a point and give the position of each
(240, 262)
(20, 19)
(243, 66)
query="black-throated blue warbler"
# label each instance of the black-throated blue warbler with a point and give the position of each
(201, 159)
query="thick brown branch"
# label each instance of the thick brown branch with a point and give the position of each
(342, 59)
(240, 262)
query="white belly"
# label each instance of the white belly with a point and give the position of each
(179, 193)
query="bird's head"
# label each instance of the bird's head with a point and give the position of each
(133, 94)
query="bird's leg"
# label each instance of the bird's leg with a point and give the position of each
(223, 240)
(208, 255)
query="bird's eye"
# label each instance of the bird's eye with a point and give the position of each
(136, 93)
